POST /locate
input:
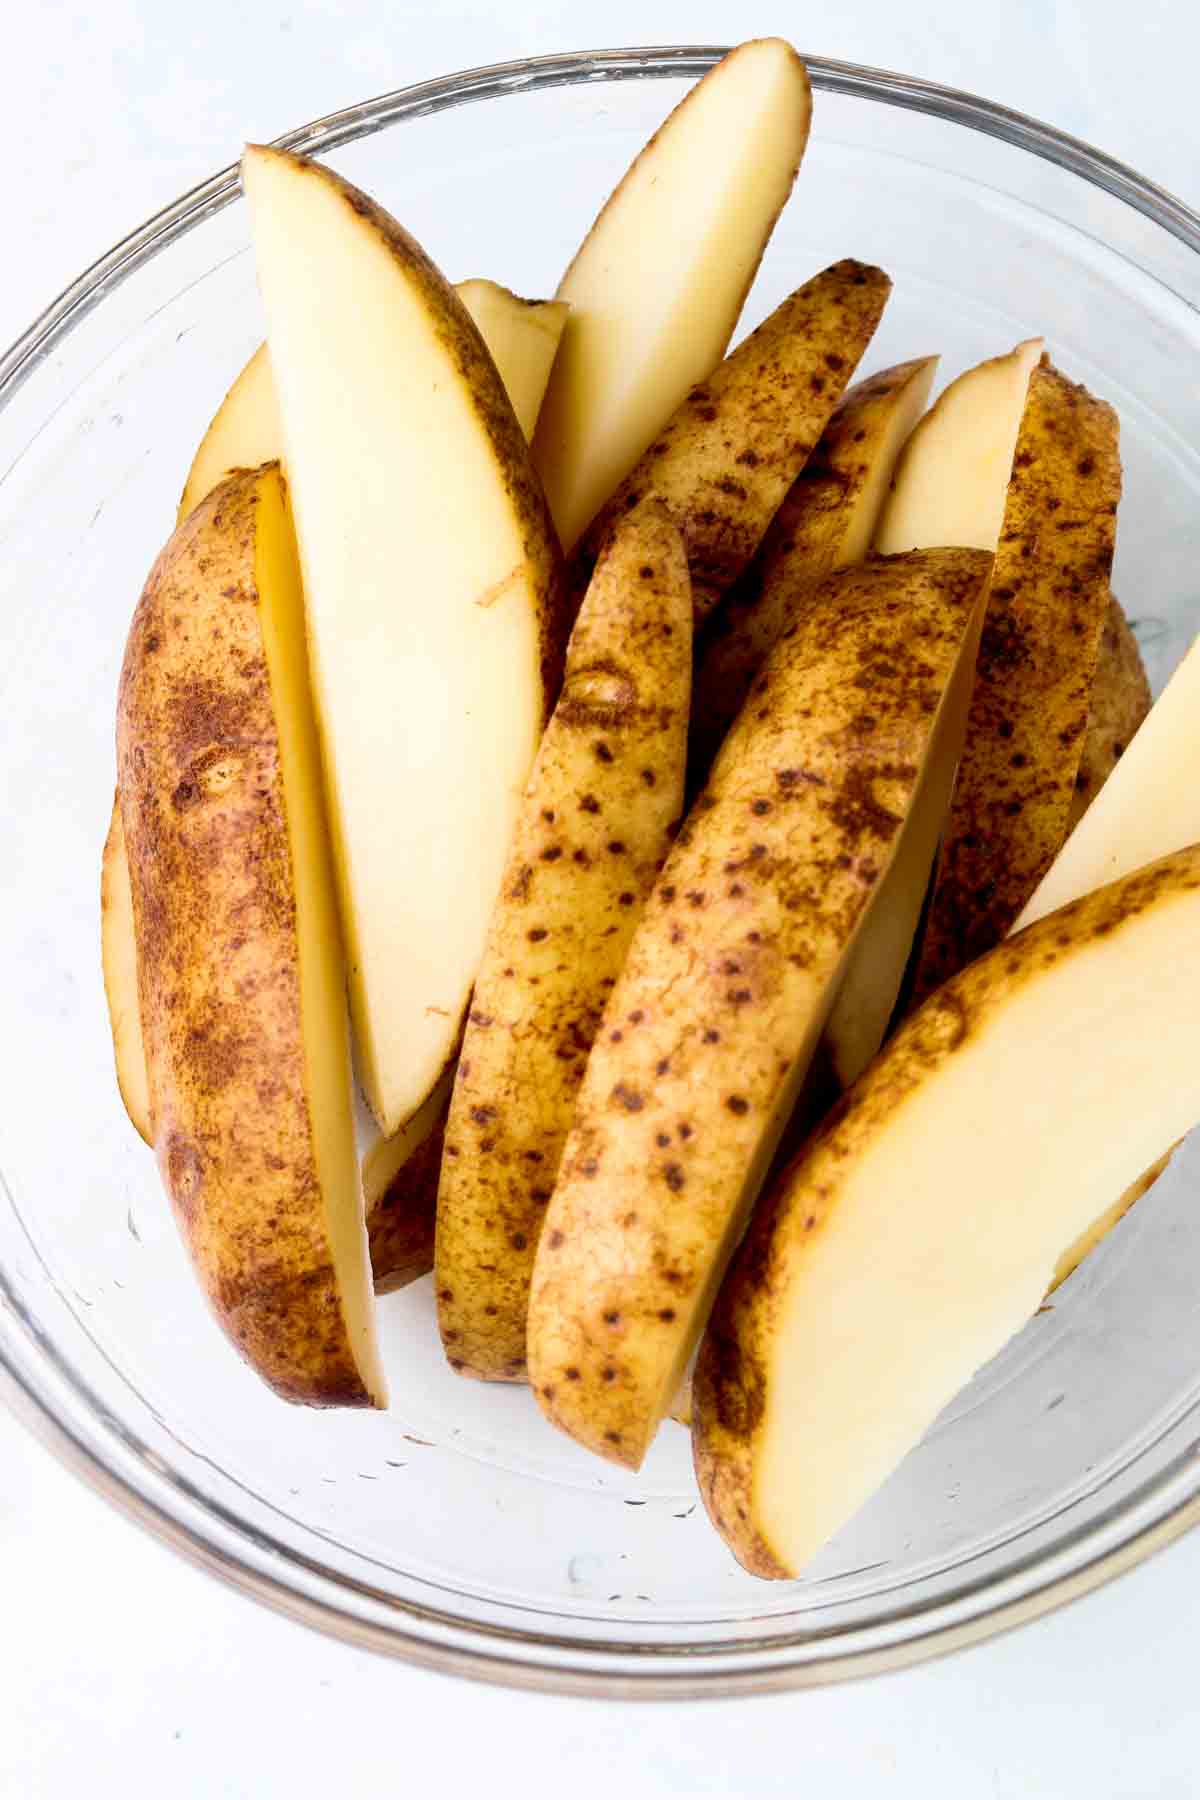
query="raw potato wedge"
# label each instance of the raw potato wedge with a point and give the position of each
(826, 521)
(1147, 807)
(1037, 658)
(118, 954)
(432, 595)
(1120, 701)
(921, 1226)
(241, 973)
(521, 335)
(245, 432)
(657, 285)
(594, 830)
(725, 459)
(952, 478)
(726, 987)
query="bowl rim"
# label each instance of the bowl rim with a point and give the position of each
(57, 1405)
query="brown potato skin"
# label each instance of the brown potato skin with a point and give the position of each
(214, 905)
(461, 336)
(802, 544)
(604, 796)
(724, 461)
(1120, 701)
(729, 1388)
(725, 978)
(1037, 659)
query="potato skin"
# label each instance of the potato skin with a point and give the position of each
(604, 795)
(207, 839)
(803, 543)
(724, 461)
(726, 979)
(1120, 701)
(730, 1385)
(1037, 660)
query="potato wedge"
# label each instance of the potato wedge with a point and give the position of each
(922, 1224)
(656, 287)
(952, 477)
(605, 794)
(240, 965)
(118, 955)
(725, 459)
(826, 521)
(722, 998)
(521, 335)
(432, 597)
(1037, 659)
(1120, 700)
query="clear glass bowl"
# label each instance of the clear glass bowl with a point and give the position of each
(457, 1530)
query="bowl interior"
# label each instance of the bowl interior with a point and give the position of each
(459, 1525)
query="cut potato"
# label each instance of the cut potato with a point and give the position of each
(241, 973)
(921, 1226)
(1037, 658)
(826, 522)
(118, 954)
(400, 1187)
(657, 285)
(432, 594)
(951, 481)
(723, 462)
(1120, 701)
(245, 432)
(727, 985)
(521, 336)
(593, 832)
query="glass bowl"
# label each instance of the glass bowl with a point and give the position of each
(458, 1530)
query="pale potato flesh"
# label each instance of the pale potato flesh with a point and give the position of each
(922, 1226)
(726, 988)
(432, 596)
(118, 953)
(245, 432)
(657, 285)
(1037, 659)
(522, 336)
(591, 837)
(725, 459)
(951, 480)
(240, 965)
(826, 521)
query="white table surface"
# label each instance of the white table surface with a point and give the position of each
(122, 1670)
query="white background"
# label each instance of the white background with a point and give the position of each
(122, 1671)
